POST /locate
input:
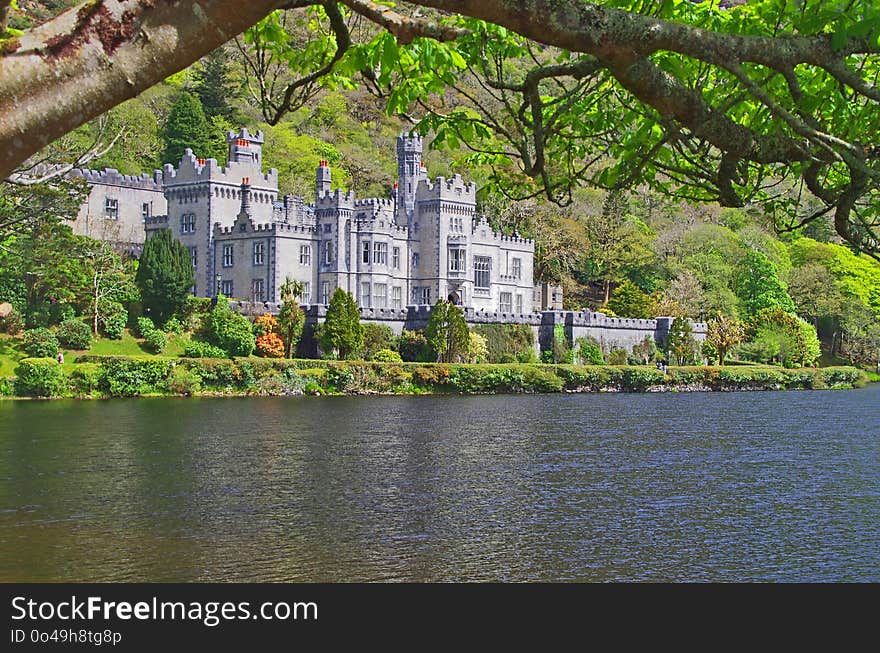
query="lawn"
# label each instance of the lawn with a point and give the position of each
(128, 345)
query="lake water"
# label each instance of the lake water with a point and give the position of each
(778, 486)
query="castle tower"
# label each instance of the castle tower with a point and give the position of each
(322, 180)
(245, 147)
(410, 169)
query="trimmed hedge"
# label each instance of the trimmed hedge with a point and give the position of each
(200, 349)
(131, 376)
(86, 379)
(121, 376)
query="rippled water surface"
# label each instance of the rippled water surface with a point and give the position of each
(689, 487)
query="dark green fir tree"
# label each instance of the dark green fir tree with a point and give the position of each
(164, 276)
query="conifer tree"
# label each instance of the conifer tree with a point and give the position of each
(680, 343)
(447, 332)
(164, 276)
(213, 86)
(187, 127)
(342, 331)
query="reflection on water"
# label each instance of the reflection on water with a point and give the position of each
(739, 486)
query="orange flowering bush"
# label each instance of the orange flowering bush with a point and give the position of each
(266, 323)
(270, 345)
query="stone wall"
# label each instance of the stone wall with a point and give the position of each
(610, 332)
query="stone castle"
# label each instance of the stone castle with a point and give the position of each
(397, 255)
(423, 243)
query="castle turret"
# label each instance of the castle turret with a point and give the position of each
(410, 169)
(245, 147)
(245, 197)
(322, 180)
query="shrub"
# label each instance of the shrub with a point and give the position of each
(639, 378)
(40, 343)
(86, 378)
(144, 326)
(270, 345)
(536, 379)
(617, 357)
(585, 377)
(230, 331)
(842, 377)
(156, 341)
(433, 376)
(200, 349)
(74, 334)
(508, 343)
(129, 377)
(217, 373)
(504, 378)
(413, 347)
(352, 378)
(112, 320)
(692, 375)
(12, 324)
(477, 349)
(193, 311)
(392, 376)
(387, 356)
(245, 375)
(173, 325)
(265, 323)
(752, 377)
(7, 387)
(182, 381)
(589, 352)
(40, 377)
(376, 338)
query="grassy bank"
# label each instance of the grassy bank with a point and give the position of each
(93, 375)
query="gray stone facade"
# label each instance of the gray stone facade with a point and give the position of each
(423, 243)
(118, 206)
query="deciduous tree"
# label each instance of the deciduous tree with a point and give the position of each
(290, 316)
(724, 334)
(698, 100)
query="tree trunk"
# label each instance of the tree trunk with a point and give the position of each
(95, 56)
(95, 311)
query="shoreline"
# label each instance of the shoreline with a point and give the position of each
(99, 377)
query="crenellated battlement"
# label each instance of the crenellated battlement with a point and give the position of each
(337, 198)
(381, 226)
(379, 202)
(112, 177)
(156, 222)
(269, 228)
(192, 169)
(451, 189)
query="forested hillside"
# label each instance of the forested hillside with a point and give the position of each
(631, 252)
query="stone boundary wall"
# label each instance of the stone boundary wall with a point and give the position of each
(611, 332)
